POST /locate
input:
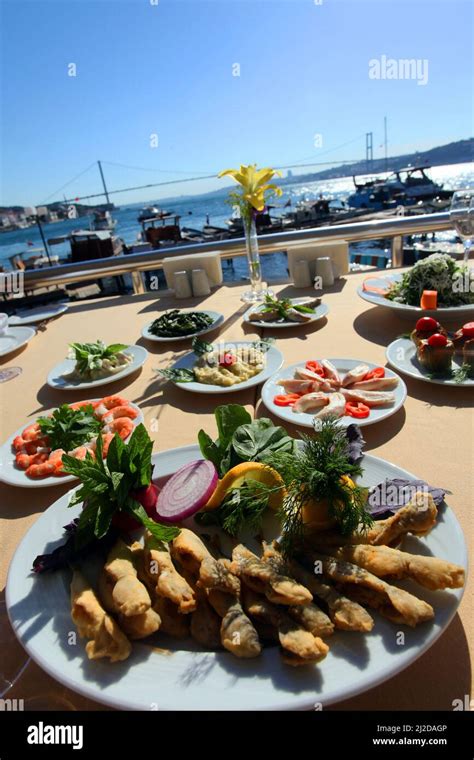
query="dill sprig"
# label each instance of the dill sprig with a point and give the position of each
(242, 507)
(462, 373)
(314, 473)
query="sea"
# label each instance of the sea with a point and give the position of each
(197, 210)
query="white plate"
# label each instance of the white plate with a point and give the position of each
(305, 419)
(319, 312)
(39, 611)
(215, 315)
(274, 360)
(31, 316)
(57, 380)
(462, 313)
(14, 338)
(409, 365)
(12, 475)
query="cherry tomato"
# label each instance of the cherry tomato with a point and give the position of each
(227, 360)
(437, 340)
(315, 366)
(357, 409)
(468, 330)
(375, 373)
(426, 324)
(286, 399)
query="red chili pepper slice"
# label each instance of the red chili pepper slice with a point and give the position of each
(286, 399)
(357, 409)
(315, 366)
(375, 373)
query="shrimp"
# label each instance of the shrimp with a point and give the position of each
(123, 426)
(80, 404)
(41, 469)
(24, 460)
(110, 401)
(106, 440)
(81, 452)
(56, 458)
(32, 432)
(120, 411)
(29, 447)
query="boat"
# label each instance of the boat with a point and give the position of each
(102, 220)
(403, 187)
(153, 212)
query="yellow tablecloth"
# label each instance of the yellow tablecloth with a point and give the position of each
(431, 436)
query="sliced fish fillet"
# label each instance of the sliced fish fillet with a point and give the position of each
(377, 384)
(335, 407)
(311, 401)
(370, 398)
(330, 371)
(355, 375)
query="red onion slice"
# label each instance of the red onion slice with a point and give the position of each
(187, 491)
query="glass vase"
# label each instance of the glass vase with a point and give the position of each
(257, 292)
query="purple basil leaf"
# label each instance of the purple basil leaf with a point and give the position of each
(355, 443)
(395, 493)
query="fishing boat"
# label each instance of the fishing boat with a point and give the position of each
(153, 212)
(102, 220)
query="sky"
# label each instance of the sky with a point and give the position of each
(168, 89)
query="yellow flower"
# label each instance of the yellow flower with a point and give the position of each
(254, 183)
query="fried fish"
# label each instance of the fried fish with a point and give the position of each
(263, 578)
(397, 605)
(106, 639)
(385, 562)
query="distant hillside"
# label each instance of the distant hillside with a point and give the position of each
(458, 152)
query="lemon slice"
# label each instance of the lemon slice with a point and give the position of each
(242, 473)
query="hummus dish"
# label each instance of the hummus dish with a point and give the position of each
(226, 368)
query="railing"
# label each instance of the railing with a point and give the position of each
(135, 263)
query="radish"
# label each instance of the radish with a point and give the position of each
(187, 491)
(147, 497)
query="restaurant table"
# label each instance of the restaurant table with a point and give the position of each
(431, 436)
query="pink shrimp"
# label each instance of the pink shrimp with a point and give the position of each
(106, 440)
(80, 404)
(41, 469)
(123, 426)
(24, 460)
(32, 432)
(120, 411)
(56, 458)
(81, 452)
(110, 401)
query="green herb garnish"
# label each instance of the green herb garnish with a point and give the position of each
(243, 507)
(68, 428)
(315, 472)
(283, 305)
(178, 375)
(462, 373)
(201, 347)
(89, 356)
(242, 439)
(107, 487)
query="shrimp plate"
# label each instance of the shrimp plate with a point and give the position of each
(113, 421)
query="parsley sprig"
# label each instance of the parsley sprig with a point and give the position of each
(68, 428)
(107, 485)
